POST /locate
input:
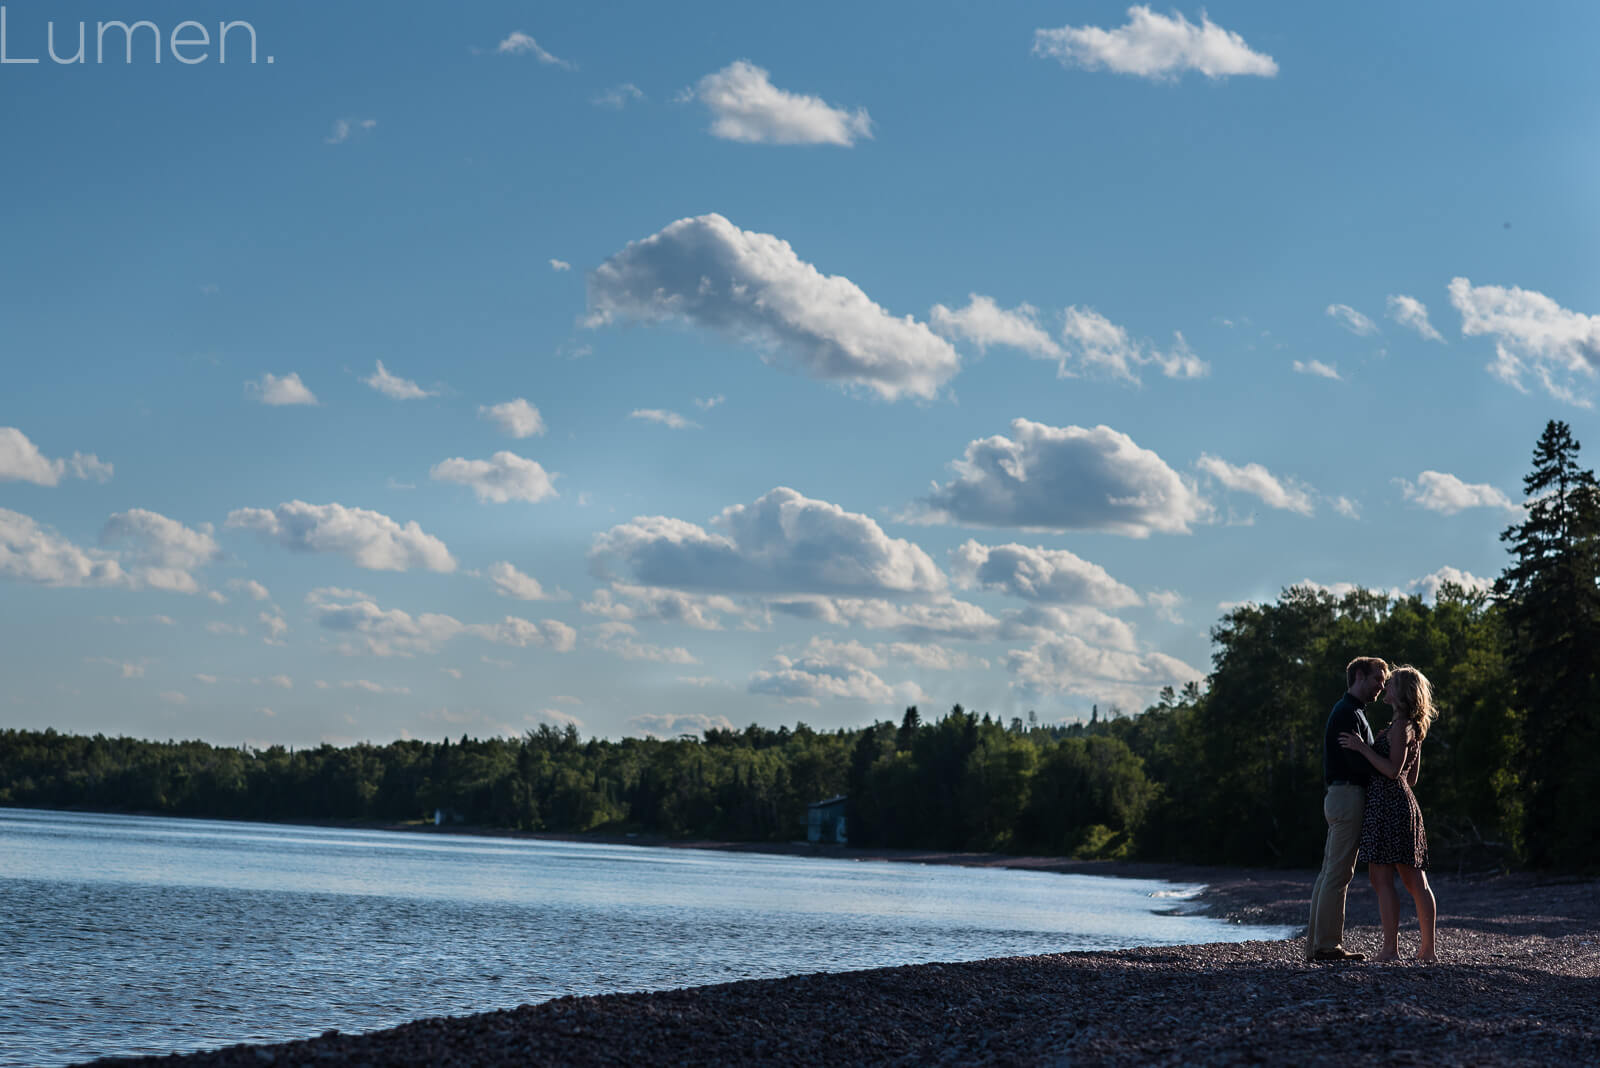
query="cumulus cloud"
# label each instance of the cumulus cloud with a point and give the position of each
(1065, 478)
(669, 725)
(783, 542)
(251, 587)
(509, 582)
(984, 323)
(620, 639)
(162, 553)
(753, 288)
(1069, 665)
(1430, 585)
(369, 539)
(503, 477)
(1047, 622)
(1158, 47)
(559, 265)
(618, 96)
(1256, 480)
(1346, 507)
(388, 632)
(21, 461)
(1352, 320)
(746, 106)
(1447, 494)
(1318, 368)
(343, 130)
(516, 417)
(1533, 336)
(33, 553)
(1411, 312)
(394, 387)
(1037, 574)
(1166, 603)
(829, 672)
(705, 404)
(271, 389)
(637, 604)
(671, 420)
(555, 717)
(1096, 345)
(276, 627)
(518, 43)
(930, 620)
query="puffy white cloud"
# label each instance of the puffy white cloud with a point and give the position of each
(559, 265)
(392, 632)
(1346, 507)
(1447, 494)
(618, 96)
(251, 587)
(1065, 478)
(1254, 479)
(927, 620)
(636, 604)
(555, 717)
(1352, 320)
(932, 657)
(521, 633)
(1411, 312)
(509, 582)
(1318, 368)
(394, 387)
(618, 638)
(1429, 585)
(746, 106)
(753, 287)
(669, 725)
(1046, 623)
(1069, 665)
(1096, 345)
(276, 627)
(782, 543)
(1533, 335)
(668, 419)
(369, 539)
(21, 460)
(163, 553)
(832, 671)
(503, 477)
(984, 323)
(34, 553)
(1158, 47)
(280, 391)
(518, 43)
(516, 417)
(1037, 574)
(1166, 603)
(705, 404)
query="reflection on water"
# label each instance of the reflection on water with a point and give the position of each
(123, 934)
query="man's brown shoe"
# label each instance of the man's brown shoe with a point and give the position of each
(1323, 955)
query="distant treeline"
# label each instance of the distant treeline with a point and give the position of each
(1228, 775)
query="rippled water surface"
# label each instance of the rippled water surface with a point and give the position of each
(122, 934)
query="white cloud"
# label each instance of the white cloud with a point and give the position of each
(1096, 345)
(1429, 585)
(1447, 494)
(753, 287)
(933, 620)
(746, 106)
(932, 657)
(21, 460)
(984, 323)
(280, 391)
(1166, 603)
(1037, 574)
(618, 96)
(705, 404)
(251, 587)
(555, 717)
(1047, 622)
(619, 639)
(637, 604)
(370, 539)
(1069, 665)
(831, 671)
(1318, 368)
(1352, 320)
(1154, 46)
(162, 552)
(216, 597)
(503, 477)
(1346, 507)
(559, 265)
(670, 725)
(209, 680)
(518, 43)
(1065, 478)
(668, 419)
(33, 553)
(509, 582)
(1254, 479)
(516, 417)
(344, 129)
(1533, 335)
(283, 682)
(513, 630)
(367, 686)
(395, 387)
(392, 632)
(224, 630)
(1411, 312)
(276, 627)
(783, 542)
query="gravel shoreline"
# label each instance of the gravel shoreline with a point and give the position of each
(1518, 983)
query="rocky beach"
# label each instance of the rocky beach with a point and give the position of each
(1518, 982)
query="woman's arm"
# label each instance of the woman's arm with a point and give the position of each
(1388, 766)
(1416, 767)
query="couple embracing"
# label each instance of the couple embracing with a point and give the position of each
(1371, 812)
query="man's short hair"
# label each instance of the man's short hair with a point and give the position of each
(1364, 665)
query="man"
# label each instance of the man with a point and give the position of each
(1344, 773)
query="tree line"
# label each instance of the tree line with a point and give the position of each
(1227, 774)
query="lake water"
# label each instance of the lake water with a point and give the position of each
(125, 934)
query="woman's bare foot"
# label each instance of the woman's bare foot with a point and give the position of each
(1428, 957)
(1386, 955)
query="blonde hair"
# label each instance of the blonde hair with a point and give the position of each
(1364, 665)
(1416, 697)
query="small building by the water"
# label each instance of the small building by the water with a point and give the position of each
(826, 821)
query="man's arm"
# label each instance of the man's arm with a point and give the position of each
(1388, 766)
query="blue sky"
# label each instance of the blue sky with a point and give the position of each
(744, 364)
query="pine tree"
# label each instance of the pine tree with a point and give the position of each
(1551, 601)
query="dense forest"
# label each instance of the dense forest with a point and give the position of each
(1226, 773)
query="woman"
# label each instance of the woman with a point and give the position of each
(1392, 835)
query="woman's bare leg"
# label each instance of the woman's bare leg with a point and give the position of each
(1382, 876)
(1427, 909)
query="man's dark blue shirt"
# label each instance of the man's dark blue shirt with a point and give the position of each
(1338, 762)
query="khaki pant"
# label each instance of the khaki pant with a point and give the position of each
(1343, 807)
